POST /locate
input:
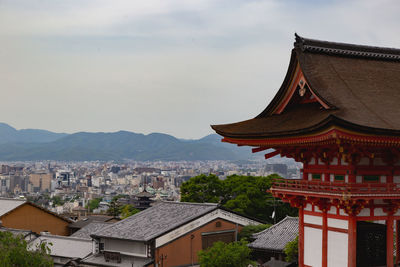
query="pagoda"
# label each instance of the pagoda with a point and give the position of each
(338, 113)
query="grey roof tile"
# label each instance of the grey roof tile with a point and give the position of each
(89, 229)
(277, 236)
(154, 221)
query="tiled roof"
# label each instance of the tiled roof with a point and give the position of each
(358, 84)
(63, 246)
(350, 50)
(8, 204)
(90, 219)
(89, 229)
(154, 221)
(277, 236)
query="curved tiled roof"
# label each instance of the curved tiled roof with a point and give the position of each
(277, 236)
(360, 85)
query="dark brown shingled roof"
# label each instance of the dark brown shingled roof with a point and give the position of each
(360, 84)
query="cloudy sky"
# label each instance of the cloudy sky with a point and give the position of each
(163, 65)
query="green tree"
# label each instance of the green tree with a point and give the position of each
(235, 254)
(57, 201)
(292, 250)
(14, 252)
(202, 188)
(249, 230)
(247, 195)
(128, 210)
(94, 203)
(114, 209)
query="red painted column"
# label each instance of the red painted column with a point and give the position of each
(389, 241)
(324, 239)
(301, 237)
(352, 252)
(397, 242)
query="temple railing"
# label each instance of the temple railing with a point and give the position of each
(336, 187)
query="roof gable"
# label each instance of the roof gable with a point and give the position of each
(353, 87)
(9, 204)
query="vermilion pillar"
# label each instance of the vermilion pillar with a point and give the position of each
(352, 256)
(301, 237)
(324, 239)
(397, 242)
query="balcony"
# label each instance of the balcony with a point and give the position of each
(335, 189)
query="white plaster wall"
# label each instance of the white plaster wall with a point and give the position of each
(332, 177)
(358, 179)
(397, 214)
(334, 161)
(346, 178)
(396, 179)
(138, 248)
(332, 210)
(308, 207)
(312, 247)
(379, 212)
(337, 223)
(316, 209)
(341, 212)
(365, 212)
(309, 176)
(320, 162)
(343, 162)
(337, 249)
(312, 219)
(383, 179)
(312, 161)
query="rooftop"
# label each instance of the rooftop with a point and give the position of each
(352, 87)
(277, 236)
(9, 204)
(155, 221)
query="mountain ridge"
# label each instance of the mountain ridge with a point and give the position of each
(33, 144)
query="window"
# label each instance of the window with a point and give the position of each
(316, 176)
(339, 178)
(371, 178)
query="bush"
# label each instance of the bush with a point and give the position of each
(235, 254)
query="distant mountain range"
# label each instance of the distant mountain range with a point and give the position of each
(33, 144)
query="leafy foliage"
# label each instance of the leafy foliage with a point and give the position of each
(292, 250)
(249, 230)
(114, 209)
(14, 252)
(235, 254)
(57, 201)
(94, 203)
(128, 210)
(202, 188)
(247, 195)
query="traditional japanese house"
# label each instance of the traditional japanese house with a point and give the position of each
(338, 113)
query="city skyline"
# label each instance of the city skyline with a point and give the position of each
(163, 66)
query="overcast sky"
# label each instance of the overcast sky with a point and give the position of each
(163, 65)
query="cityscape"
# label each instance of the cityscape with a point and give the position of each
(201, 133)
(76, 183)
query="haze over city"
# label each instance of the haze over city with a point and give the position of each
(163, 66)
